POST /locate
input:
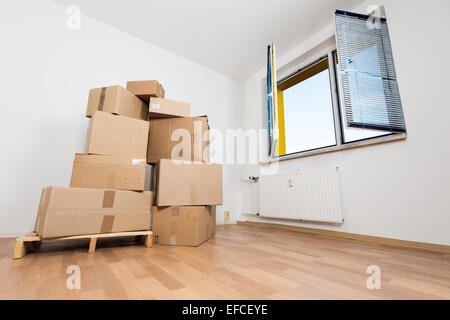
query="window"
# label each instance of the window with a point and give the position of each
(352, 134)
(332, 105)
(306, 110)
(369, 82)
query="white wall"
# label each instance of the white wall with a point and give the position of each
(401, 189)
(46, 73)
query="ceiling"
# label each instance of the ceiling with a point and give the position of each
(229, 36)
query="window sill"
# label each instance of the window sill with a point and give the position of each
(351, 145)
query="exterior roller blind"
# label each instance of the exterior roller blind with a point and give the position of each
(369, 84)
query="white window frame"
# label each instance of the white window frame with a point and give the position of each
(292, 68)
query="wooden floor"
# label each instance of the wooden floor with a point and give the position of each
(241, 262)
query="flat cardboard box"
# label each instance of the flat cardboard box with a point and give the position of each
(193, 146)
(188, 183)
(76, 211)
(110, 134)
(116, 100)
(108, 172)
(165, 108)
(146, 89)
(183, 226)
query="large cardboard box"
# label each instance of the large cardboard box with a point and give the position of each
(110, 134)
(188, 183)
(116, 100)
(108, 172)
(165, 108)
(75, 211)
(190, 144)
(146, 89)
(183, 226)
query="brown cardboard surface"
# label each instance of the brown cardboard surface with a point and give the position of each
(188, 183)
(108, 172)
(211, 221)
(165, 108)
(145, 89)
(76, 211)
(116, 100)
(182, 226)
(192, 147)
(110, 134)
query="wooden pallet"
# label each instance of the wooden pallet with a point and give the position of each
(31, 240)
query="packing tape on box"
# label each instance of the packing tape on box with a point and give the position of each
(175, 212)
(102, 99)
(107, 224)
(108, 199)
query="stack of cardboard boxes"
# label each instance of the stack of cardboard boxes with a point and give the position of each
(129, 128)
(188, 188)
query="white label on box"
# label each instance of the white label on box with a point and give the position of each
(156, 106)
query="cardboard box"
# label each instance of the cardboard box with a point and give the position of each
(75, 211)
(146, 89)
(183, 226)
(108, 172)
(189, 147)
(188, 183)
(109, 134)
(211, 221)
(116, 100)
(165, 108)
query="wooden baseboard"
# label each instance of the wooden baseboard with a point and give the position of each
(338, 234)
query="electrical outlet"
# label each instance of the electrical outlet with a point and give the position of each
(226, 217)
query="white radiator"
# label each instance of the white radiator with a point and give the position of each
(253, 203)
(308, 195)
